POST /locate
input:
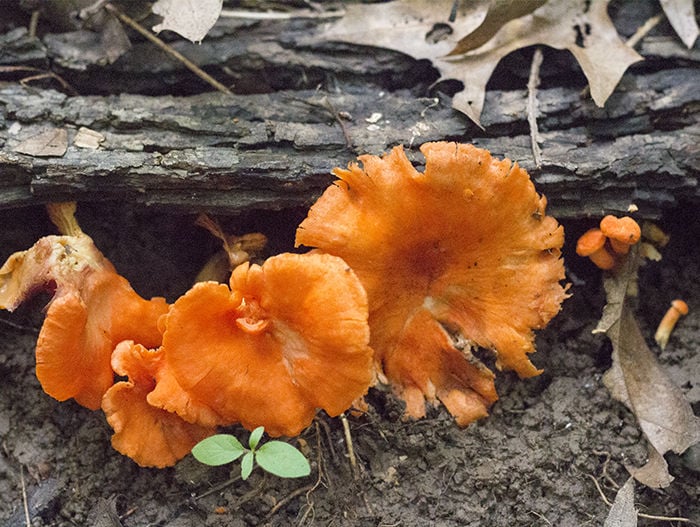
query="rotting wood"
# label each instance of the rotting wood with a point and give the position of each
(229, 153)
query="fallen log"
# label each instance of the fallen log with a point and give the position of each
(226, 153)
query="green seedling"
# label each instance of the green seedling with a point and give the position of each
(276, 457)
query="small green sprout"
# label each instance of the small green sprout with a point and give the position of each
(276, 457)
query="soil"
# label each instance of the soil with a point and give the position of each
(550, 447)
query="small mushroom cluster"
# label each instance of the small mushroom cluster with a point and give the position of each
(607, 245)
(410, 274)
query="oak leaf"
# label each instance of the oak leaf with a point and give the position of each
(434, 30)
(638, 381)
(189, 18)
(681, 15)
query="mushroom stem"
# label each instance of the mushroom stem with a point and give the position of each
(62, 215)
(603, 259)
(593, 245)
(668, 322)
(653, 232)
(238, 248)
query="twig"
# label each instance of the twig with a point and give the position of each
(600, 491)
(252, 493)
(643, 30)
(24, 497)
(532, 85)
(286, 500)
(33, 23)
(40, 74)
(348, 442)
(217, 488)
(19, 327)
(339, 116)
(640, 514)
(604, 470)
(541, 517)
(319, 463)
(278, 15)
(167, 49)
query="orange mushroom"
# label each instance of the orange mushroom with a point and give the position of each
(459, 256)
(622, 232)
(678, 309)
(93, 309)
(287, 338)
(150, 436)
(592, 244)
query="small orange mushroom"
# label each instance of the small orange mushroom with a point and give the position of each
(678, 309)
(93, 309)
(462, 251)
(622, 232)
(592, 244)
(152, 437)
(287, 338)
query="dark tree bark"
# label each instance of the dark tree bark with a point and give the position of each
(272, 150)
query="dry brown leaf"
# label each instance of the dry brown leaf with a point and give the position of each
(638, 381)
(681, 15)
(622, 513)
(409, 26)
(190, 18)
(500, 12)
(49, 143)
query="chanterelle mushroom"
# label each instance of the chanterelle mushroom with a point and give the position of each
(150, 436)
(463, 249)
(285, 339)
(93, 309)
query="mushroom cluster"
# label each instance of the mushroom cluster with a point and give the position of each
(459, 257)
(412, 273)
(607, 245)
(281, 341)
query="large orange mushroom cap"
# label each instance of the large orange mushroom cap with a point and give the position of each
(287, 338)
(464, 247)
(150, 436)
(93, 308)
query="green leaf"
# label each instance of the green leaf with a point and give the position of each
(247, 465)
(255, 436)
(283, 460)
(218, 449)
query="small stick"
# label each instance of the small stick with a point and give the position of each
(167, 49)
(639, 514)
(42, 74)
(24, 497)
(532, 85)
(19, 327)
(33, 23)
(278, 15)
(643, 30)
(289, 497)
(348, 442)
(217, 488)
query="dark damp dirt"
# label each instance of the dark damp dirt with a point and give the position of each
(535, 461)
